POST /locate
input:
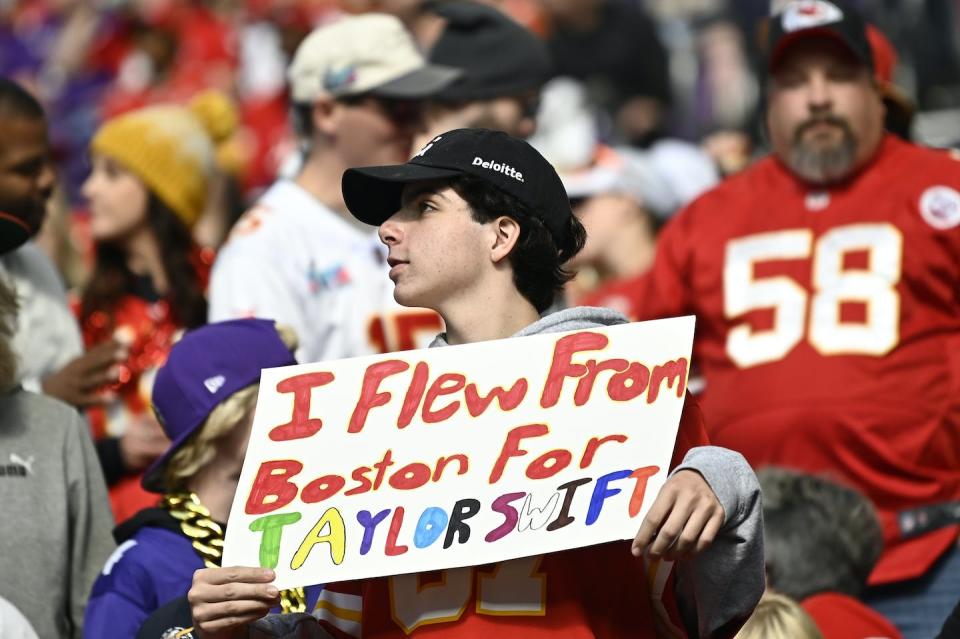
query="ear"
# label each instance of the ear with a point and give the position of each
(326, 115)
(506, 234)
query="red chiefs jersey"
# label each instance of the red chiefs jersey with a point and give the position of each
(828, 328)
(593, 592)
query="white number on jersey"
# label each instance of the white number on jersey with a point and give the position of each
(833, 285)
(514, 588)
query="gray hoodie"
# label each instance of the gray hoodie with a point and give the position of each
(717, 590)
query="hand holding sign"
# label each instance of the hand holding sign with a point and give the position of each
(467, 455)
(683, 521)
(224, 600)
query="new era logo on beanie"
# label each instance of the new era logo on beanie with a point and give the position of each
(373, 194)
(213, 384)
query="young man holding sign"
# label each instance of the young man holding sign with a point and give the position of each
(478, 226)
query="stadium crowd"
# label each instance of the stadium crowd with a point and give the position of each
(192, 191)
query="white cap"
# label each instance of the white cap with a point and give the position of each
(369, 53)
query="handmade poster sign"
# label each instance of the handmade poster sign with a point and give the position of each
(458, 456)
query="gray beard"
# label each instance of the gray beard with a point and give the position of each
(823, 165)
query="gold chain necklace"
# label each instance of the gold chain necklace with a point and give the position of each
(206, 537)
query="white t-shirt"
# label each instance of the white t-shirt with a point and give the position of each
(293, 260)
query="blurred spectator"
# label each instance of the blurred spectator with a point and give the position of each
(613, 47)
(821, 541)
(504, 67)
(47, 339)
(297, 256)
(779, 617)
(149, 184)
(819, 535)
(823, 280)
(623, 199)
(209, 423)
(622, 196)
(54, 533)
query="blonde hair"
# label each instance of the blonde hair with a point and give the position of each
(200, 449)
(779, 617)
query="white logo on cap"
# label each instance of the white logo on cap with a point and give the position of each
(214, 383)
(940, 207)
(427, 147)
(805, 15)
(499, 167)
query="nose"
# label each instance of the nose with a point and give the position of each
(87, 187)
(46, 179)
(818, 92)
(390, 231)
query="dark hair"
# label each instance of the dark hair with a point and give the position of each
(111, 279)
(538, 258)
(819, 535)
(15, 100)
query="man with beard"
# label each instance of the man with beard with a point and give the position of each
(47, 339)
(825, 284)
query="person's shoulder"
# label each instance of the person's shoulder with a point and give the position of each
(930, 163)
(31, 263)
(39, 412)
(149, 551)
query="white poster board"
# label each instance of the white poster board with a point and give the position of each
(458, 456)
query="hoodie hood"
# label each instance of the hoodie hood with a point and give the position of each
(577, 318)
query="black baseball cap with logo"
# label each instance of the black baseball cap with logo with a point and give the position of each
(373, 194)
(818, 18)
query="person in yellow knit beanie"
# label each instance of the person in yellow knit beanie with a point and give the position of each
(152, 171)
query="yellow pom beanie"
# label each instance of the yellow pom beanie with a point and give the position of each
(172, 149)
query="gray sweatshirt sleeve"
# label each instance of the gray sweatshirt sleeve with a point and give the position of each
(717, 590)
(91, 522)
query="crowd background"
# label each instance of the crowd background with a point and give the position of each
(651, 102)
(694, 72)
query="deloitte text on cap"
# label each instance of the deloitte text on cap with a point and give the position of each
(373, 194)
(370, 53)
(818, 18)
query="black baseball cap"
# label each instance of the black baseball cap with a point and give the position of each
(498, 56)
(818, 18)
(373, 194)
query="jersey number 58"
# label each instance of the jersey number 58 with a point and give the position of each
(814, 314)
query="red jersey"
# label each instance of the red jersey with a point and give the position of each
(828, 328)
(592, 592)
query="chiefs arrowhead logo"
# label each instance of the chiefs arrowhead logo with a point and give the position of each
(806, 15)
(940, 207)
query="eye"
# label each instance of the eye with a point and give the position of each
(843, 73)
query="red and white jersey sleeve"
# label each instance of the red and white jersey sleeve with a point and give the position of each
(828, 328)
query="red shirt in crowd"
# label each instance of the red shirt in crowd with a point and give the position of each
(598, 592)
(844, 617)
(828, 329)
